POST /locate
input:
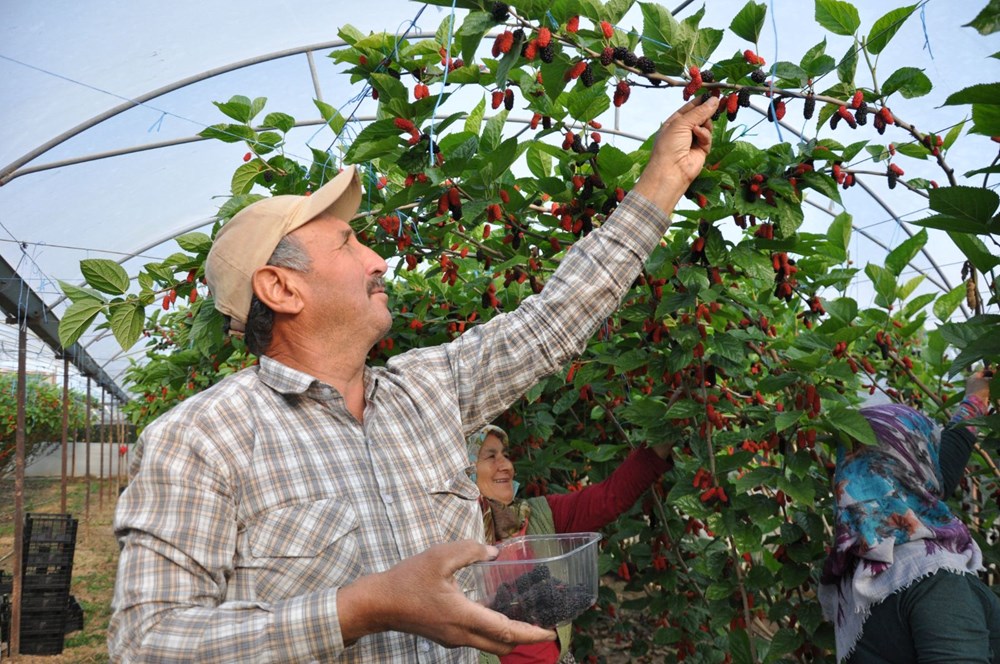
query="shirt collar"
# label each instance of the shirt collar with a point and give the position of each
(286, 380)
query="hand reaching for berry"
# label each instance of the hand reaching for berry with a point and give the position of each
(679, 153)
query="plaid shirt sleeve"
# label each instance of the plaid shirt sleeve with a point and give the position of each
(177, 525)
(497, 362)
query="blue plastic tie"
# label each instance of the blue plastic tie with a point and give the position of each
(923, 23)
(444, 82)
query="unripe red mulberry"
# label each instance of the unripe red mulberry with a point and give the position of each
(607, 30)
(573, 24)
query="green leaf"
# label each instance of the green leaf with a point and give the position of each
(332, 116)
(974, 249)
(840, 18)
(585, 104)
(196, 243)
(240, 108)
(950, 224)
(969, 203)
(884, 283)
(900, 257)
(953, 135)
(474, 122)
(839, 233)
(904, 291)
(493, 132)
(739, 647)
(76, 319)
(848, 66)
(748, 23)
(885, 28)
(982, 93)
(244, 176)
(790, 72)
(105, 275)
(75, 293)
(506, 62)
(851, 423)
(613, 163)
(539, 162)
(988, 20)
(908, 81)
(229, 133)
(784, 641)
(986, 119)
(946, 304)
(127, 321)
(280, 121)
(206, 328)
(389, 88)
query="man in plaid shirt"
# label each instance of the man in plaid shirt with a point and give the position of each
(313, 508)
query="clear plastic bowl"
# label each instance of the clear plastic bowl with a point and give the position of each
(545, 580)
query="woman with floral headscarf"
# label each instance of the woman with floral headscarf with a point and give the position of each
(900, 583)
(589, 509)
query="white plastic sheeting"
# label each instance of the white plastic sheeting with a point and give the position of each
(64, 62)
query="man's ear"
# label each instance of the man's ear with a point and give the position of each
(279, 289)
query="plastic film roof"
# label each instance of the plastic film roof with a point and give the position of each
(64, 64)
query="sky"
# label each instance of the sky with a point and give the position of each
(63, 62)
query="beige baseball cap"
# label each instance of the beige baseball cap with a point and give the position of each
(246, 242)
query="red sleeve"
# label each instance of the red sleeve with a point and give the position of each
(595, 506)
(546, 652)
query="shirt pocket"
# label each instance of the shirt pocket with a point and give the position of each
(304, 548)
(454, 504)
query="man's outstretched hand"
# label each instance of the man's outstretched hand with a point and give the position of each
(420, 596)
(679, 153)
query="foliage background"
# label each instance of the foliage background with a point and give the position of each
(754, 368)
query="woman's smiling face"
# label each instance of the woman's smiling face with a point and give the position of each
(494, 471)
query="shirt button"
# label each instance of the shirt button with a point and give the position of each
(424, 646)
(387, 498)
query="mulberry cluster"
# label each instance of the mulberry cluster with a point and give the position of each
(500, 12)
(540, 599)
(622, 91)
(810, 106)
(645, 65)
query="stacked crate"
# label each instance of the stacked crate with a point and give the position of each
(49, 545)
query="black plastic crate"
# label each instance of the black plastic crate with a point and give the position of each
(6, 583)
(46, 559)
(47, 580)
(49, 644)
(55, 528)
(43, 623)
(74, 615)
(45, 600)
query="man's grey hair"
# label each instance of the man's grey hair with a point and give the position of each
(291, 254)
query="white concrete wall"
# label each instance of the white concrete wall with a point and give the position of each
(50, 465)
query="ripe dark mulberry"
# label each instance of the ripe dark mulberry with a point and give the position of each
(508, 99)
(547, 53)
(587, 77)
(619, 53)
(743, 97)
(629, 59)
(810, 107)
(861, 115)
(607, 55)
(645, 65)
(758, 76)
(707, 76)
(500, 12)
